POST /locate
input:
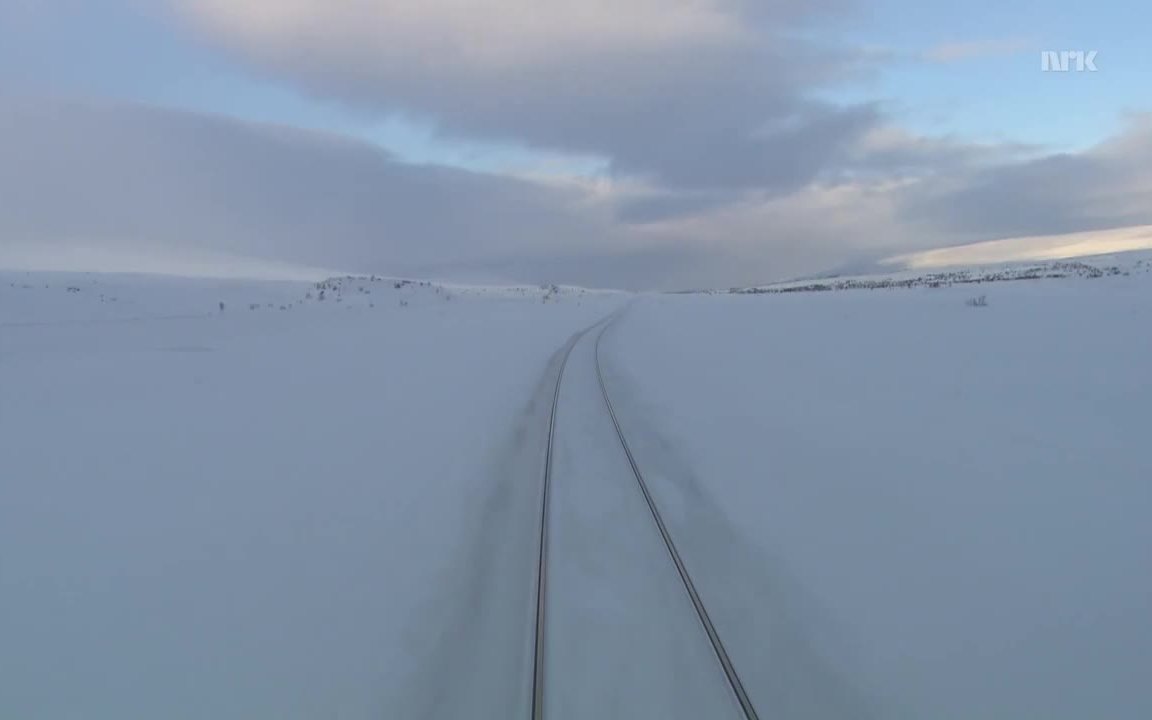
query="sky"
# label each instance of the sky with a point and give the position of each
(647, 144)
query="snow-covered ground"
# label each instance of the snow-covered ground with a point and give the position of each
(899, 505)
(894, 504)
(322, 511)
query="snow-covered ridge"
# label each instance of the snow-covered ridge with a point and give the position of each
(353, 288)
(35, 297)
(1101, 266)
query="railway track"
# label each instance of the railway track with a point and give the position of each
(722, 657)
(542, 566)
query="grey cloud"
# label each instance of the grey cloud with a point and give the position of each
(664, 206)
(1104, 187)
(133, 177)
(700, 113)
(140, 179)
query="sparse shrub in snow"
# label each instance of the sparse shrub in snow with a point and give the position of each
(550, 291)
(979, 301)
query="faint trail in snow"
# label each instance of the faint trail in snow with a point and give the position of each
(483, 661)
(102, 321)
(478, 660)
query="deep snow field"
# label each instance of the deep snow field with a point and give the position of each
(268, 513)
(905, 505)
(895, 505)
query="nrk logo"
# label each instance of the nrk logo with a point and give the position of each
(1068, 61)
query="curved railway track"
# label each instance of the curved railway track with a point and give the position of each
(726, 664)
(542, 565)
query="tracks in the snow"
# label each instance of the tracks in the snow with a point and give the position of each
(542, 566)
(722, 656)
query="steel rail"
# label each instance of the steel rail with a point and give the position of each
(542, 563)
(701, 612)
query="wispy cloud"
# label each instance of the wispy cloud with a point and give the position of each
(972, 50)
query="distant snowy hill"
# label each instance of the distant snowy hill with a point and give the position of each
(1092, 267)
(32, 297)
